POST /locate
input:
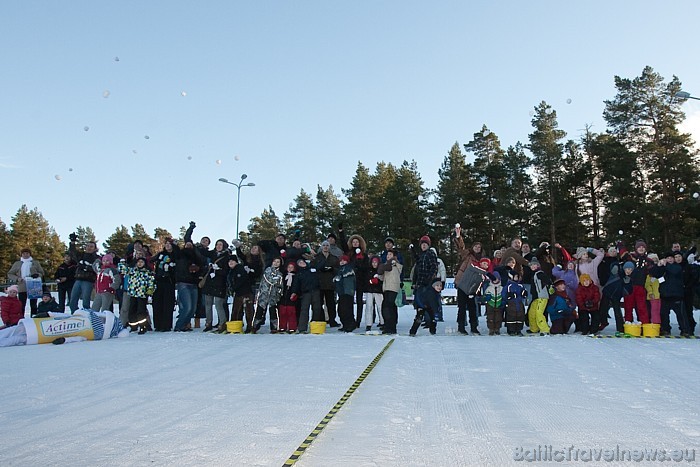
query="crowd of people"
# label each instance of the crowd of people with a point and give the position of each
(339, 282)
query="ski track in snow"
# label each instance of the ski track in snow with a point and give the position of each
(204, 399)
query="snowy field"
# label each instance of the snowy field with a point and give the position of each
(165, 399)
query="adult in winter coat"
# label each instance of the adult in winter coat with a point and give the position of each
(84, 274)
(515, 251)
(424, 274)
(356, 249)
(11, 310)
(672, 293)
(253, 261)
(164, 266)
(188, 264)
(214, 289)
(327, 265)
(309, 295)
(390, 274)
(22, 270)
(268, 296)
(65, 278)
(276, 248)
(468, 256)
(332, 240)
(141, 285)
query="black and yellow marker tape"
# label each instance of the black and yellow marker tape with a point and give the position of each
(331, 413)
(643, 337)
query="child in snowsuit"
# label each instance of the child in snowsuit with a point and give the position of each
(11, 309)
(618, 286)
(653, 295)
(431, 303)
(374, 295)
(561, 311)
(541, 282)
(345, 289)
(288, 300)
(494, 304)
(141, 284)
(107, 282)
(269, 293)
(588, 301)
(514, 296)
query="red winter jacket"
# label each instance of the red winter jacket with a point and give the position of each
(589, 294)
(11, 310)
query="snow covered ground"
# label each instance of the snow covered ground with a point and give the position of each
(166, 399)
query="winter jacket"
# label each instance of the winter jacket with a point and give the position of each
(290, 289)
(591, 268)
(374, 284)
(66, 271)
(326, 267)
(559, 306)
(108, 279)
(238, 281)
(570, 279)
(11, 310)
(308, 280)
(15, 274)
(619, 285)
(604, 269)
(541, 281)
(255, 264)
(494, 295)
(345, 280)
(84, 262)
(425, 269)
(216, 285)
(520, 262)
(358, 259)
(390, 274)
(189, 265)
(272, 250)
(140, 281)
(467, 257)
(672, 287)
(45, 307)
(588, 298)
(164, 266)
(270, 289)
(652, 287)
(514, 292)
(642, 267)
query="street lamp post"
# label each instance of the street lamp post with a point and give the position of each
(686, 95)
(238, 186)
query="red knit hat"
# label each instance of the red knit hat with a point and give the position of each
(425, 239)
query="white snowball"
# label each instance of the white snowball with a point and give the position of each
(134, 151)
(236, 158)
(183, 94)
(105, 93)
(116, 59)
(147, 137)
(218, 162)
(681, 189)
(620, 232)
(57, 177)
(568, 101)
(70, 170)
(696, 195)
(86, 128)
(189, 158)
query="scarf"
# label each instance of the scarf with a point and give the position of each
(26, 270)
(289, 278)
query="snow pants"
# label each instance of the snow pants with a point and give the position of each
(390, 312)
(310, 299)
(494, 318)
(243, 303)
(345, 312)
(288, 318)
(515, 316)
(372, 300)
(678, 306)
(163, 305)
(260, 316)
(637, 300)
(655, 310)
(561, 325)
(538, 323)
(467, 303)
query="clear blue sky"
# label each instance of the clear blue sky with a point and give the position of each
(298, 90)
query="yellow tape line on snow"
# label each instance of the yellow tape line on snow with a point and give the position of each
(331, 413)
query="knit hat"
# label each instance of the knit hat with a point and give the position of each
(325, 243)
(345, 258)
(436, 281)
(639, 243)
(535, 262)
(12, 288)
(389, 239)
(612, 251)
(580, 251)
(332, 235)
(653, 256)
(484, 261)
(234, 258)
(109, 258)
(425, 239)
(46, 294)
(584, 277)
(495, 276)
(628, 265)
(558, 281)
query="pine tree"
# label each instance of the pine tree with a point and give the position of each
(29, 229)
(7, 256)
(84, 235)
(328, 209)
(118, 241)
(547, 149)
(644, 116)
(518, 208)
(358, 210)
(160, 235)
(302, 218)
(264, 227)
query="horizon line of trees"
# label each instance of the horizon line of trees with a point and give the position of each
(638, 179)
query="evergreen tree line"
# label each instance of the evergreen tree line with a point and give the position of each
(638, 179)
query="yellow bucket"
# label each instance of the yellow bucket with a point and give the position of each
(633, 329)
(234, 327)
(651, 330)
(317, 327)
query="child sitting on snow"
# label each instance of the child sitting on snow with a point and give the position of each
(10, 307)
(561, 311)
(47, 304)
